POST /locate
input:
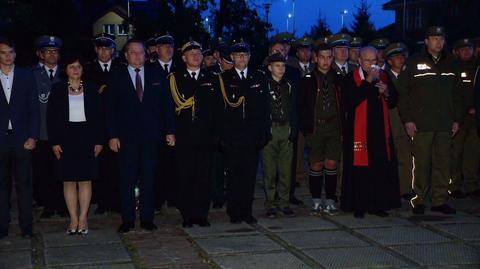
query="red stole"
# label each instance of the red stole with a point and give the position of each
(360, 149)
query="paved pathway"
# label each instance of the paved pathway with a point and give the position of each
(399, 241)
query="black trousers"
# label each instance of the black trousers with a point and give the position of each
(20, 159)
(241, 165)
(106, 189)
(166, 187)
(138, 164)
(194, 166)
(47, 189)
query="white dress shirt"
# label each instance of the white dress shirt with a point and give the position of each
(76, 108)
(169, 63)
(197, 72)
(245, 72)
(48, 70)
(102, 65)
(7, 82)
(344, 65)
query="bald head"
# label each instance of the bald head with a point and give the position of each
(368, 57)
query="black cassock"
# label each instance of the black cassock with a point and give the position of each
(374, 187)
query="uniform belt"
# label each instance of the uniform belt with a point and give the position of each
(280, 124)
(9, 132)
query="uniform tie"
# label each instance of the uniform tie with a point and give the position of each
(51, 74)
(165, 67)
(194, 75)
(105, 68)
(138, 84)
(242, 74)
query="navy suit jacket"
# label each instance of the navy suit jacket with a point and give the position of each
(133, 121)
(23, 110)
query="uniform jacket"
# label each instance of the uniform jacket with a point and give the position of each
(429, 93)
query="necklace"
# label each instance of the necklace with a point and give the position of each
(77, 90)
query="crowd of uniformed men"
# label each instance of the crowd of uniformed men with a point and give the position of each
(373, 125)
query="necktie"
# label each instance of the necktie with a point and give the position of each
(305, 68)
(51, 74)
(242, 75)
(138, 84)
(344, 71)
(105, 68)
(194, 75)
(165, 66)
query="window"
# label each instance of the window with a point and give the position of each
(123, 29)
(418, 18)
(109, 29)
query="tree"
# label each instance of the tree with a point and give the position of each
(362, 25)
(321, 29)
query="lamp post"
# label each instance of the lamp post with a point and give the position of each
(207, 23)
(288, 19)
(343, 13)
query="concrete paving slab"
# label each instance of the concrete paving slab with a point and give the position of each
(61, 239)
(221, 229)
(296, 224)
(321, 239)
(15, 243)
(465, 231)
(86, 255)
(240, 244)
(369, 221)
(358, 257)
(399, 235)
(441, 254)
(282, 260)
(20, 259)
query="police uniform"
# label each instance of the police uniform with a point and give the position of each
(466, 144)
(337, 41)
(430, 99)
(320, 120)
(277, 154)
(245, 132)
(197, 102)
(105, 190)
(48, 191)
(401, 141)
(165, 68)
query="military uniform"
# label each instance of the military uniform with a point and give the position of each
(355, 44)
(341, 40)
(320, 121)
(47, 190)
(430, 99)
(197, 102)
(245, 132)
(381, 44)
(401, 141)
(466, 144)
(105, 190)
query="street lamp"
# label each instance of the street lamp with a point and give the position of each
(288, 19)
(343, 13)
(208, 24)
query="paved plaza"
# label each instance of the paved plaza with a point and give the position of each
(399, 241)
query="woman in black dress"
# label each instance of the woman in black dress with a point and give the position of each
(75, 132)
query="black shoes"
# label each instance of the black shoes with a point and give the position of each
(418, 210)
(458, 194)
(126, 227)
(379, 213)
(444, 209)
(203, 223)
(288, 212)
(271, 213)
(359, 214)
(250, 219)
(148, 225)
(295, 201)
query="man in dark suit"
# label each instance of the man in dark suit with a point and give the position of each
(47, 190)
(105, 190)
(19, 129)
(140, 117)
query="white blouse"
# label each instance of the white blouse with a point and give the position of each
(76, 108)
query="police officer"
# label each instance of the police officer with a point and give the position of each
(165, 50)
(245, 130)
(431, 108)
(320, 120)
(466, 145)
(304, 56)
(354, 51)
(396, 55)
(380, 44)
(47, 189)
(105, 190)
(197, 102)
(341, 44)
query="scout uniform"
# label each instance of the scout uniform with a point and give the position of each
(401, 141)
(245, 132)
(429, 97)
(466, 144)
(277, 154)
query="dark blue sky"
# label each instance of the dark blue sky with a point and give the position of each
(307, 12)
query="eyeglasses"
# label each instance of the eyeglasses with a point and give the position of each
(50, 51)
